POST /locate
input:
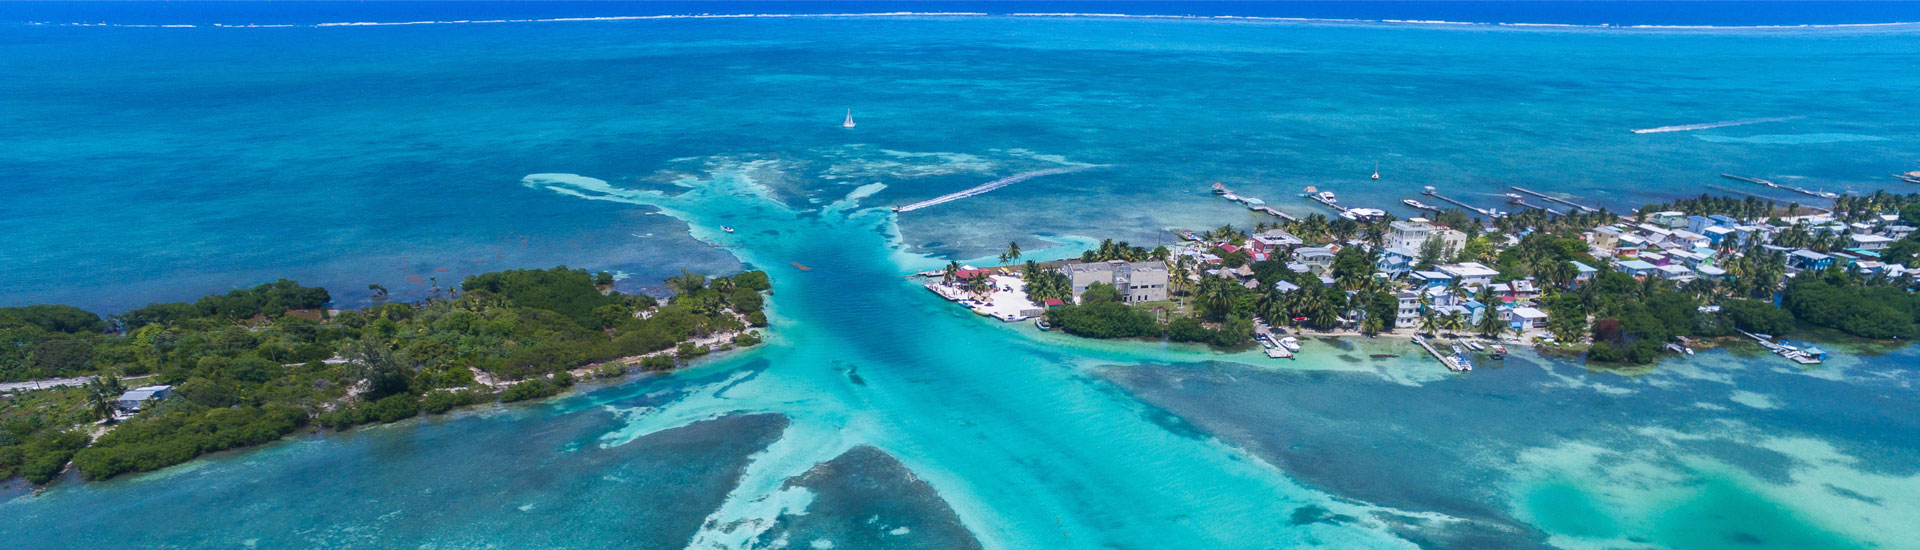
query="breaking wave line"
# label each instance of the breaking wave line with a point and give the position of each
(1704, 126)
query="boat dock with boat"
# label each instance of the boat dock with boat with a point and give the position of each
(1800, 190)
(1517, 200)
(1417, 205)
(1551, 198)
(1277, 347)
(1488, 212)
(1253, 203)
(1456, 362)
(1764, 197)
(1809, 356)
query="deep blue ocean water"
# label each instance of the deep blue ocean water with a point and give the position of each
(148, 163)
(1713, 13)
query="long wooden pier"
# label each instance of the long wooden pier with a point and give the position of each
(1488, 212)
(1544, 196)
(1765, 198)
(989, 186)
(1800, 190)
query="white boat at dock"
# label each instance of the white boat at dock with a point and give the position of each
(1291, 343)
(1417, 205)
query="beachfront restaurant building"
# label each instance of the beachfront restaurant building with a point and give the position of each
(1136, 281)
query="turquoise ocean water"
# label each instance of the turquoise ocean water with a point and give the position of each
(163, 163)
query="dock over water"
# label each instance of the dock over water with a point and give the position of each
(989, 186)
(1550, 198)
(1488, 212)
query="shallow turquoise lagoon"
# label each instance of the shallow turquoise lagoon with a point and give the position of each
(879, 416)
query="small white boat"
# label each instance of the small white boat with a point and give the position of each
(1290, 343)
(726, 228)
(1376, 170)
(1499, 351)
(849, 122)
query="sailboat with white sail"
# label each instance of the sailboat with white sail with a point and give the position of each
(849, 122)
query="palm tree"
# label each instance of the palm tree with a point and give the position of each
(1179, 278)
(1490, 323)
(979, 285)
(101, 395)
(952, 272)
(1012, 253)
(686, 283)
(1429, 323)
(1215, 295)
(1453, 321)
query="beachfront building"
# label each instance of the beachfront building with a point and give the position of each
(1409, 233)
(139, 397)
(1526, 318)
(1408, 315)
(1318, 259)
(1137, 281)
(1470, 274)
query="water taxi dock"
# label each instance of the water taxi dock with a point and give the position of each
(1551, 198)
(1253, 203)
(1488, 212)
(1809, 356)
(1520, 201)
(1453, 363)
(1764, 197)
(1800, 190)
(989, 186)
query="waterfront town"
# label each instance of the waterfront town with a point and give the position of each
(1622, 289)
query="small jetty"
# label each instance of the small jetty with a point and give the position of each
(1764, 197)
(989, 186)
(1355, 214)
(1909, 177)
(1453, 362)
(1517, 200)
(1551, 198)
(1253, 203)
(1275, 347)
(1808, 356)
(1488, 212)
(1800, 190)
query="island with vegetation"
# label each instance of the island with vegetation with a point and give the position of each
(254, 365)
(1616, 289)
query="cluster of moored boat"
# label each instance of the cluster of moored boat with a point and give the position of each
(1807, 356)
(1455, 357)
(1279, 348)
(1909, 177)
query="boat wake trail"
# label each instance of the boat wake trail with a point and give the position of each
(1721, 124)
(989, 186)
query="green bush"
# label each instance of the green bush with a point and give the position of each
(1104, 320)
